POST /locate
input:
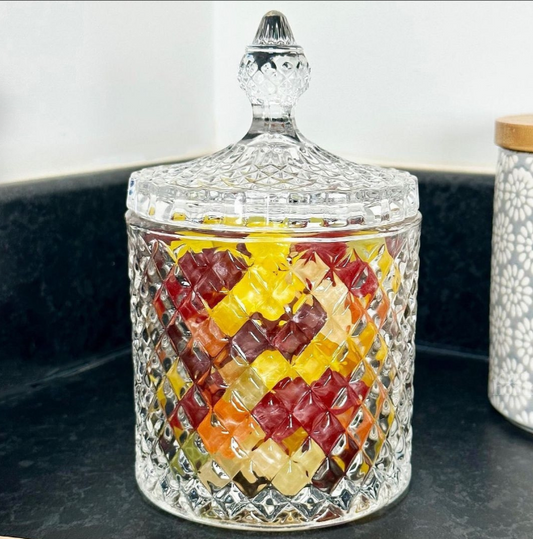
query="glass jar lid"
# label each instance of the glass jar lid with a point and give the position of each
(274, 176)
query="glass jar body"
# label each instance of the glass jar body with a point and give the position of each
(273, 371)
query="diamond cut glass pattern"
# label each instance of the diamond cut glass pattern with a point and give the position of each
(273, 306)
(273, 371)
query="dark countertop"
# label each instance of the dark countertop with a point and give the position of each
(67, 451)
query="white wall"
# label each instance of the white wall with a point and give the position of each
(393, 82)
(89, 85)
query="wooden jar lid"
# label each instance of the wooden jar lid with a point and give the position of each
(515, 132)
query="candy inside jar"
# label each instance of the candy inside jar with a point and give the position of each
(273, 305)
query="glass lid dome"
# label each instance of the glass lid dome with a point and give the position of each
(274, 176)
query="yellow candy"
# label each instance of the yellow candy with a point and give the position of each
(333, 297)
(396, 279)
(294, 441)
(231, 465)
(314, 359)
(179, 385)
(269, 251)
(161, 397)
(233, 221)
(364, 338)
(268, 459)
(272, 367)
(345, 359)
(369, 250)
(248, 389)
(381, 354)
(310, 456)
(229, 315)
(265, 290)
(290, 479)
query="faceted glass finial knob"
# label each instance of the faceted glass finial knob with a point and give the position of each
(274, 30)
(274, 71)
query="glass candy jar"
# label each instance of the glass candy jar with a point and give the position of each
(273, 300)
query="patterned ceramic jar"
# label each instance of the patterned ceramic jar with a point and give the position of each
(511, 305)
